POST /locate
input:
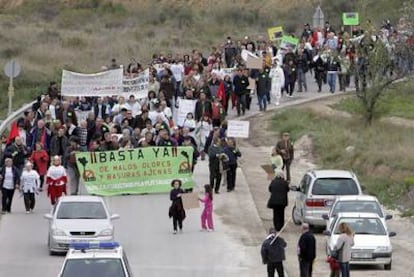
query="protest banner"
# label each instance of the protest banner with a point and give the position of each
(275, 33)
(238, 129)
(190, 200)
(137, 86)
(105, 83)
(185, 106)
(350, 19)
(134, 171)
(289, 42)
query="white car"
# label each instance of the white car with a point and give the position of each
(356, 204)
(103, 259)
(78, 219)
(372, 240)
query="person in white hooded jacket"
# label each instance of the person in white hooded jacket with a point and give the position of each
(29, 185)
(278, 80)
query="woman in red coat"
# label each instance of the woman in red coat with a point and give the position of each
(40, 159)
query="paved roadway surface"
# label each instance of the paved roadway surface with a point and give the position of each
(145, 231)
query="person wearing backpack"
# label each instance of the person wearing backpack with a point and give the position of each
(273, 253)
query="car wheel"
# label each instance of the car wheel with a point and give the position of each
(295, 220)
(51, 252)
(387, 266)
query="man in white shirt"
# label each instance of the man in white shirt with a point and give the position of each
(133, 105)
(177, 70)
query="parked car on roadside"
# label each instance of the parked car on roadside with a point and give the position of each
(317, 192)
(357, 204)
(79, 219)
(372, 245)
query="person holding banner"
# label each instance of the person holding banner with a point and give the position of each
(273, 253)
(176, 210)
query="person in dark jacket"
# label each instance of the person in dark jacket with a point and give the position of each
(306, 251)
(177, 211)
(273, 253)
(58, 143)
(233, 154)
(18, 152)
(263, 85)
(285, 147)
(203, 106)
(215, 154)
(241, 82)
(278, 200)
(320, 72)
(9, 181)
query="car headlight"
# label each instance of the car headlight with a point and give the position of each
(58, 232)
(383, 249)
(106, 232)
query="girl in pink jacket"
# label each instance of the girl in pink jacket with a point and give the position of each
(207, 214)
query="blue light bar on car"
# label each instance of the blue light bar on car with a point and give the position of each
(94, 245)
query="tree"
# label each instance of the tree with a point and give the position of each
(382, 61)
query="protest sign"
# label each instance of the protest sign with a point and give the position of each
(184, 107)
(289, 42)
(137, 86)
(105, 83)
(254, 63)
(275, 33)
(190, 200)
(134, 171)
(238, 129)
(350, 19)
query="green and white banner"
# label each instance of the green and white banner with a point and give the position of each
(134, 171)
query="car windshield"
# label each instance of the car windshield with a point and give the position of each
(357, 206)
(335, 186)
(81, 210)
(102, 267)
(363, 226)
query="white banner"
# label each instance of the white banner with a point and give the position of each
(105, 83)
(238, 129)
(137, 86)
(185, 107)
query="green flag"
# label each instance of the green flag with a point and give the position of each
(350, 19)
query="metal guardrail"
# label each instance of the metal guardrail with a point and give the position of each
(5, 124)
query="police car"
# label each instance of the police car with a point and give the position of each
(103, 259)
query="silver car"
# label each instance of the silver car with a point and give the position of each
(78, 219)
(317, 192)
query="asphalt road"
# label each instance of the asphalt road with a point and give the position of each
(145, 231)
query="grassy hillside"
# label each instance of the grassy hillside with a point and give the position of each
(82, 35)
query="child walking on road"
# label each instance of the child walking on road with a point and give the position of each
(207, 214)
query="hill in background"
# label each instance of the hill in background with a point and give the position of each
(82, 35)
